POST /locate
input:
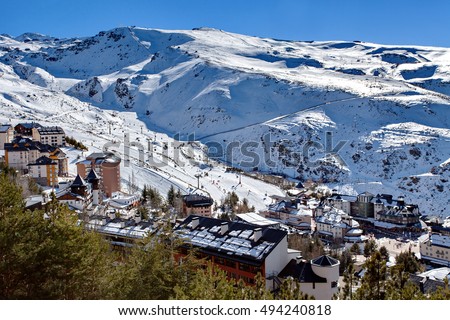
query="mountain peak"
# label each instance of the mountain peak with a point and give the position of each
(33, 36)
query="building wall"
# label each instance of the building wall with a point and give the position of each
(320, 291)
(325, 291)
(109, 174)
(276, 260)
(110, 178)
(77, 204)
(20, 159)
(437, 254)
(83, 169)
(362, 209)
(63, 167)
(52, 174)
(201, 211)
(46, 175)
(377, 208)
(51, 139)
(6, 137)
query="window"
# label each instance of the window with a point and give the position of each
(244, 267)
(334, 284)
(230, 263)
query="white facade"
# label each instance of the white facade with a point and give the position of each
(335, 223)
(323, 290)
(6, 135)
(276, 260)
(47, 136)
(341, 204)
(19, 159)
(435, 248)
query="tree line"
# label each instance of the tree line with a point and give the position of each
(48, 254)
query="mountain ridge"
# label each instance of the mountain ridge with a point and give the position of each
(390, 104)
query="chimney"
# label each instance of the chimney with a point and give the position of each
(104, 222)
(257, 234)
(298, 258)
(195, 222)
(137, 219)
(122, 224)
(223, 228)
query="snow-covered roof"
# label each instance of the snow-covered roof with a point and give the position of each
(440, 240)
(256, 219)
(437, 274)
(230, 239)
(118, 227)
(386, 225)
(5, 127)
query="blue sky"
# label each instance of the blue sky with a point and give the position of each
(380, 21)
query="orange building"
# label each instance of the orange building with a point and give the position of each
(44, 171)
(107, 167)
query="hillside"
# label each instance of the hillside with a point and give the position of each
(387, 105)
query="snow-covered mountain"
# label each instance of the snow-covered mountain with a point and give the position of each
(358, 115)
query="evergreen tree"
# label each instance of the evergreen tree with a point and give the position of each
(345, 259)
(349, 280)
(398, 286)
(355, 249)
(145, 194)
(290, 290)
(171, 196)
(442, 293)
(48, 255)
(408, 261)
(310, 247)
(373, 281)
(151, 272)
(369, 248)
(384, 253)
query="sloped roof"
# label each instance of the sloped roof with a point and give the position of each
(300, 186)
(195, 200)
(302, 272)
(50, 130)
(78, 182)
(42, 161)
(366, 193)
(92, 176)
(325, 261)
(426, 285)
(4, 127)
(236, 243)
(30, 125)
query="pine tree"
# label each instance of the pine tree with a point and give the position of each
(349, 280)
(384, 253)
(151, 272)
(442, 293)
(355, 249)
(398, 286)
(408, 261)
(373, 281)
(369, 248)
(47, 254)
(290, 290)
(171, 196)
